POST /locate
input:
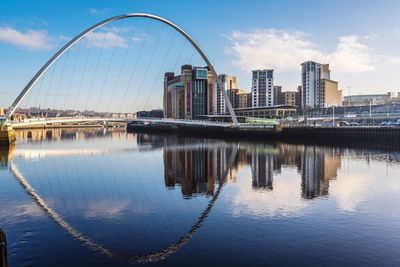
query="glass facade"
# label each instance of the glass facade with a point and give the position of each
(199, 100)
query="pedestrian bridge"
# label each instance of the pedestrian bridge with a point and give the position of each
(62, 121)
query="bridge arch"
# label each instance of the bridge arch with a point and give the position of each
(60, 52)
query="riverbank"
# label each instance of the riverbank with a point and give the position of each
(378, 137)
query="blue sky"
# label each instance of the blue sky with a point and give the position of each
(358, 38)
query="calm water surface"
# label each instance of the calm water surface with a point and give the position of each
(94, 197)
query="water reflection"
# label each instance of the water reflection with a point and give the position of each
(6, 154)
(160, 190)
(195, 170)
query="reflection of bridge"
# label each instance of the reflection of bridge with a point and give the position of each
(132, 258)
(36, 122)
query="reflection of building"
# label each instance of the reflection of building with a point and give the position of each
(196, 170)
(6, 153)
(318, 167)
(261, 171)
(197, 167)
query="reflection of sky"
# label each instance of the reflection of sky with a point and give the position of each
(120, 200)
(284, 199)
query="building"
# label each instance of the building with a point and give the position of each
(373, 99)
(249, 100)
(278, 96)
(317, 86)
(330, 95)
(233, 95)
(228, 84)
(287, 98)
(1, 111)
(242, 99)
(190, 94)
(275, 112)
(262, 88)
(154, 113)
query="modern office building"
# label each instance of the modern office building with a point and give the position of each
(190, 94)
(317, 86)
(228, 83)
(262, 88)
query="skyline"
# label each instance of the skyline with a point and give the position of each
(361, 53)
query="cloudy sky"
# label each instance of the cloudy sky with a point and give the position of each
(358, 38)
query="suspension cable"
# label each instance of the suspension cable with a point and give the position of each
(144, 40)
(148, 67)
(159, 71)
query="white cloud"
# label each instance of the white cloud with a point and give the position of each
(351, 56)
(96, 11)
(106, 39)
(30, 39)
(285, 50)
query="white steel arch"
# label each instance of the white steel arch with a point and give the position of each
(60, 52)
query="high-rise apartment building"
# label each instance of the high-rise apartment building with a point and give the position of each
(262, 88)
(318, 90)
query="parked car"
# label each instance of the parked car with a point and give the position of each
(388, 124)
(344, 123)
(353, 123)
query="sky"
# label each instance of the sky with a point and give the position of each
(359, 39)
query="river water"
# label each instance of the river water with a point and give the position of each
(97, 197)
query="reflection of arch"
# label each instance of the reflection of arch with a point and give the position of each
(59, 53)
(137, 258)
